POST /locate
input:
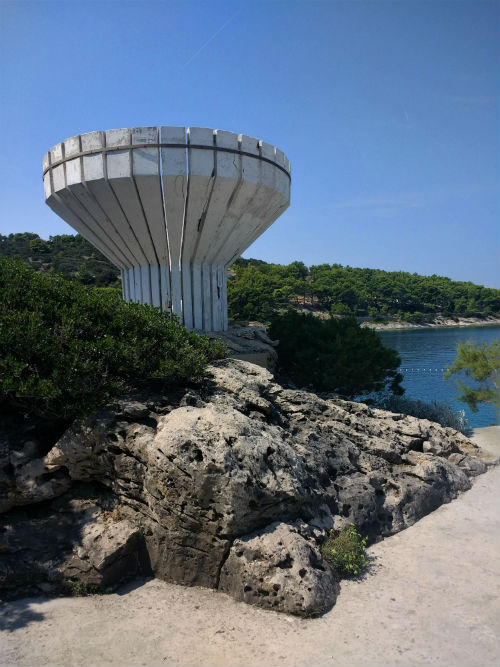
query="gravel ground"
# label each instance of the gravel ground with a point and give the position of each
(431, 597)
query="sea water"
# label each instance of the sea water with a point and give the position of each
(424, 355)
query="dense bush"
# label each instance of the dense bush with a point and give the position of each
(345, 551)
(336, 355)
(442, 413)
(66, 348)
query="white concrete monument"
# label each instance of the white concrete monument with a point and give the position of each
(171, 208)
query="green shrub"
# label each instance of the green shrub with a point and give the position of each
(66, 348)
(83, 589)
(334, 355)
(416, 317)
(345, 551)
(479, 364)
(435, 411)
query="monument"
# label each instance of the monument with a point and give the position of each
(172, 208)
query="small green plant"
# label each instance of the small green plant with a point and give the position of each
(345, 551)
(139, 524)
(83, 589)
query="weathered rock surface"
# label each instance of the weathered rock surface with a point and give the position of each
(71, 544)
(188, 481)
(23, 478)
(249, 343)
(279, 568)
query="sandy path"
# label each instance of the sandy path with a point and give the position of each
(432, 597)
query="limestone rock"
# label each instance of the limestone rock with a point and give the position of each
(29, 482)
(470, 465)
(277, 568)
(24, 480)
(249, 343)
(203, 468)
(75, 545)
(107, 552)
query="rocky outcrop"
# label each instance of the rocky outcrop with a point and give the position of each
(23, 477)
(249, 343)
(73, 544)
(222, 484)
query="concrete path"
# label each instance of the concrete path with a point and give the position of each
(431, 597)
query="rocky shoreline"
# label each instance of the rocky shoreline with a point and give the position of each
(438, 323)
(232, 485)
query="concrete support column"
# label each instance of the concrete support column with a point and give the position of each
(204, 307)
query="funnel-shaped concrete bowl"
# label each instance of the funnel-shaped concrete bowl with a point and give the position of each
(171, 208)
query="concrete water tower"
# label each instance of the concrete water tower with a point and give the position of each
(171, 208)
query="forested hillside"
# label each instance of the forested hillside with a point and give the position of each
(71, 256)
(257, 289)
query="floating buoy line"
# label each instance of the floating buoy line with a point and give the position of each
(422, 370)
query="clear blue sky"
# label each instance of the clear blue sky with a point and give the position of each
(388, 111)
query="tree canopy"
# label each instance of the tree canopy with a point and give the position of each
(336, 355)
(257, 289)
(71, 256)
(481, 365)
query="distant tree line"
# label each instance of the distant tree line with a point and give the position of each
(71, 256)
(257, 289)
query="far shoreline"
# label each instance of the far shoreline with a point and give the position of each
(392, 325)
(438, 323)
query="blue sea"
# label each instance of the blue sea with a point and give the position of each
(425, 353)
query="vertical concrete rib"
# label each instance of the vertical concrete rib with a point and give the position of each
(146, 284)
(120, 177)
(225, 317)
(146, 176)
(137, 283)
(206, 301)
(201, 178)
(75, 183)
(166, 301)
(227, 181)
(196, 290)
(174, 184)
(95, 178)
(123, 276)
(62, 202)
(155, 285)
